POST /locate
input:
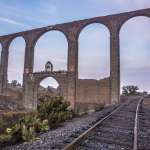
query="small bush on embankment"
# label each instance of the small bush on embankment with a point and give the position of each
(55, 110)
(49, 114)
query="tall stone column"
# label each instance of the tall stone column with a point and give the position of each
(28, 83)
(29, 58)
(114, 64)
(4, 67)
(73, 55)
(72, 68)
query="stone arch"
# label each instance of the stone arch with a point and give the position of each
(128, 18)
(54, 81)
(41, 78)
(103, 30)
(62, 39)
(49, 86)
(128, 67)
(41, 33)
(86, 24)
(15, 42)
(60, 78)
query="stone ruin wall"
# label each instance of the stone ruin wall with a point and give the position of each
(92, 94)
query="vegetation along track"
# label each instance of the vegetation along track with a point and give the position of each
(116, 131)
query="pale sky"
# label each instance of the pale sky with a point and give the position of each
(19, 15)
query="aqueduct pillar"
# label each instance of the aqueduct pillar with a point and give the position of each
(4, 67)
(114, 63)
(72, 67)
(28, 87)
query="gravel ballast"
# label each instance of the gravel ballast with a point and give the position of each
(59, 137)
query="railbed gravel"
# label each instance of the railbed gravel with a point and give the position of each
(144, 128)
(115, 133)
(58, 138)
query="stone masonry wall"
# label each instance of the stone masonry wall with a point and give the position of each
(92, 94)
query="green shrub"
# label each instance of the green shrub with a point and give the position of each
(55, 109)
(28, 127)
(50, 113)
(25, 130)
(44, 125)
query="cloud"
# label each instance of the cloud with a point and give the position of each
(11, 21)
(19, 11)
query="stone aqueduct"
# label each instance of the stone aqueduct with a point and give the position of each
(82, 93)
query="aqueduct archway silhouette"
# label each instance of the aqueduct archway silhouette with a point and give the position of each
(108, 89)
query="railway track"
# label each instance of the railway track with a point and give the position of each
(116, 131)
(144, 126)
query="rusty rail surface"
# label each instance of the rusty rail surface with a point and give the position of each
(75, 143)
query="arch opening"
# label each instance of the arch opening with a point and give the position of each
(94, 52)
(134, 53)
(48, 87)
(16, 62)
(51, 46)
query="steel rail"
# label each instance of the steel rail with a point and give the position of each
(136, 125)
(85, 134)
(77, 141)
